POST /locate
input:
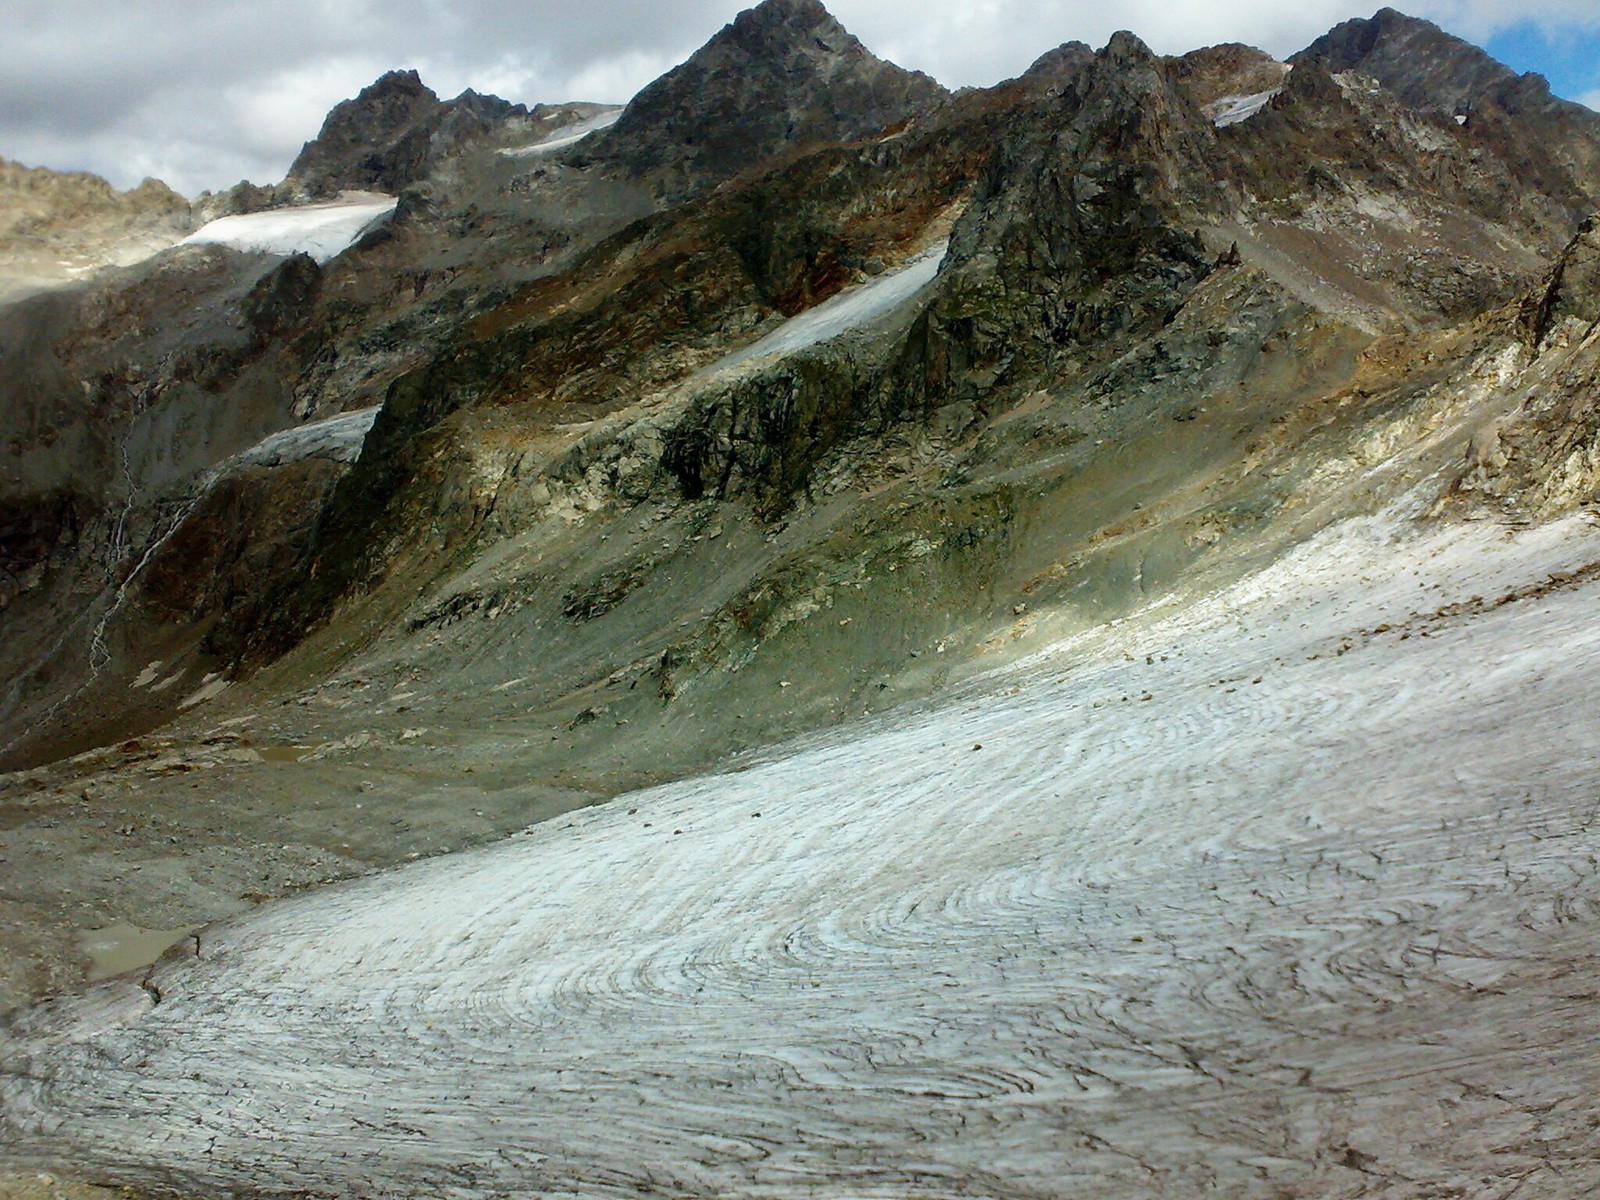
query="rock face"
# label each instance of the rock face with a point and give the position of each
(1060, 63)
(1419, 62)
(783, 74)
(1543, 457)
(1571, 293)
(1230, 69)
(1076, 232)
(372, 143)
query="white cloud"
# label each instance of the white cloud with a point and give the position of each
(206, 92)
(1480, 18)
(617, 80)
(288, 108)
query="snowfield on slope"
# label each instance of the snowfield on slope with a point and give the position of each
(323, 231)
(1291, 890)
(852, 309)
(567, 135)
(339, 437)
(1230, 110)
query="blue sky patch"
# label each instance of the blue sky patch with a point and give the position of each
(1570, 60)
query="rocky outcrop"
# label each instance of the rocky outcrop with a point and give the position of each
(1056, 66)
(391, 136)
(783, 74)
(370, 143)
(1082, 231)
(1230, 69)
(1571, 291)
(1542, 458)
(1418, 61)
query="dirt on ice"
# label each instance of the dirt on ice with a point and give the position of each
(1288, 891)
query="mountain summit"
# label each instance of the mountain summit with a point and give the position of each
(355, 147)
(785, 73)
(1413, 58)
(1550, 141)
(390, 136)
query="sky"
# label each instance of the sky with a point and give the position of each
(203, 93)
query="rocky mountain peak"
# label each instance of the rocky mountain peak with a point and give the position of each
(1127, 49)
(1312, 80)
(1065, 60)
(1544, 137)
(353, 149)
(788, 34)
(391, 136)
(381, 109)
(782, 74)
(396, 86)
(1129, 92)
(1418, 61)
(801, 15)
(1087, 210)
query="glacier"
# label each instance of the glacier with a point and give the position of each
(324, 231)
(1230, 895)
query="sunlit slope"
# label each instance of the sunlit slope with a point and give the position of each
(1287, 890)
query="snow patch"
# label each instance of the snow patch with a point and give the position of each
(1230, 110)
(147, 676)
(849, 310)
(337, 437)
(210, 688)
(321, 230)
(567, 135)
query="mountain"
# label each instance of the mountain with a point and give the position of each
(1195, 449)
(373, 142)
(393, 135)
(1548, 140)
(524, 336)
(1062, 62)
(1427, 67)
(783, 74)
(57, 226)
